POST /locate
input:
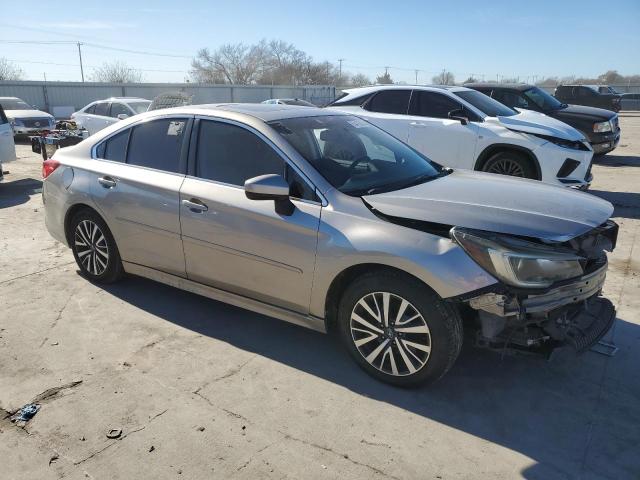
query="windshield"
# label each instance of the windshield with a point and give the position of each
(354, 156)
(139, 107)
(14, 104)
(542, 99)
(489, 106)
(296, 101)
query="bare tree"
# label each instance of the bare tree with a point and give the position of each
(9, 70)
(359, 80)
(116, 72)
(384, 79)
(444, 78)
(235, 63)
(471, 79)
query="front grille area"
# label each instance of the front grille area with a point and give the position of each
(568, 167)
(36, 122)
(615, 124)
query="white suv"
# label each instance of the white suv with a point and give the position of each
(98, 115)
(462, 128)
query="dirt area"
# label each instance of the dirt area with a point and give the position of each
(205, 390)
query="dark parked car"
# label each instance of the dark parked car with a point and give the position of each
(630, 101)
(600, 126)
(589, 95)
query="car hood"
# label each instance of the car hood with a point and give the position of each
(584, 112)
(528, 121)
(27, 114)
(497, 203)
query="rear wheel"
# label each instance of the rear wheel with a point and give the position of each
(398, 330)
(513, 164)
(94, 248)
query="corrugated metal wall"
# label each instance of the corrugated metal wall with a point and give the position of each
(48, 95)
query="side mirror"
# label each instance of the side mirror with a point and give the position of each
(122, 116)
(270, 187)
(458, 115)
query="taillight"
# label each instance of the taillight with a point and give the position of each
(48, 166)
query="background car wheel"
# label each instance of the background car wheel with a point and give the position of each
(94, 248)
(398, 330)
(510, 163)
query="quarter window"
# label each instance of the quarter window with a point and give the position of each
(102, 109)
(431, 104)
(390, 101)
(157, 144)
(90, 109)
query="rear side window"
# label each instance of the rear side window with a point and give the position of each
(102, 109)
(231, 154)
(390, 101)
(432, 104)
(115, 148)
(157, 144)
(90, 109)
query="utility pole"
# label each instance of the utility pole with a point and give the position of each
(416, 76)
(81, 68)
(340, 60)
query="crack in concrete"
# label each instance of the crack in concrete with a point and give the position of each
(54, 391)
(36, 273)
(58, 317)
(233, 371)
(343, 455)
(122, 437)
(375, 444)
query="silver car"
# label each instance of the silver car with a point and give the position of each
(324, 220)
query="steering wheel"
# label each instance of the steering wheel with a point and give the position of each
(357, 161)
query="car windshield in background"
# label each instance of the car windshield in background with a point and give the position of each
(542, 99)
(15, 105)
(354, 156)
(139, 107)
(488, 106)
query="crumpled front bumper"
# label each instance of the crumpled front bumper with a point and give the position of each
(571, 313)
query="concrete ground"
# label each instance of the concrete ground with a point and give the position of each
(205, 390)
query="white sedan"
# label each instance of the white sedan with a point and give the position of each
(102, 113)
(462, 128)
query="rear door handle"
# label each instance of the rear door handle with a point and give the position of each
(107, 182)
(195, 205)
(418, 124)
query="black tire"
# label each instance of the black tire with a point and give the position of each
(511, 163)
(442, 320)
(90, 252)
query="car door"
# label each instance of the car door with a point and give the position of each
(388, 109)
(7, 145)
(442, 139)
(99, 119)
(588, 97)
(136, 186)
(239, 245)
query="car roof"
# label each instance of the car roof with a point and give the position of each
(11, 98)
(264, 112)
(509, 86)
(124, 99)
(377, 88)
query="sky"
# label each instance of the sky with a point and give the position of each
(486, 39)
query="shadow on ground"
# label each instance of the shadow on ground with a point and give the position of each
(617, 160)
(17, 192)
(559, 413)
(626, 204)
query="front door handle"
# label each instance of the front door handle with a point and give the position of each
(107, 182)
(418, 124)
(195, 205)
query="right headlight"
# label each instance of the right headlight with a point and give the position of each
(518, 262)
(602, 127)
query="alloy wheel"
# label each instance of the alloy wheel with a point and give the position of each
(507, 166)
(390, 333)
(91, 247)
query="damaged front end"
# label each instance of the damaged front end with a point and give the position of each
(548, 293)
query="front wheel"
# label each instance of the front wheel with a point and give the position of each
(398, 330)
(513, 164)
